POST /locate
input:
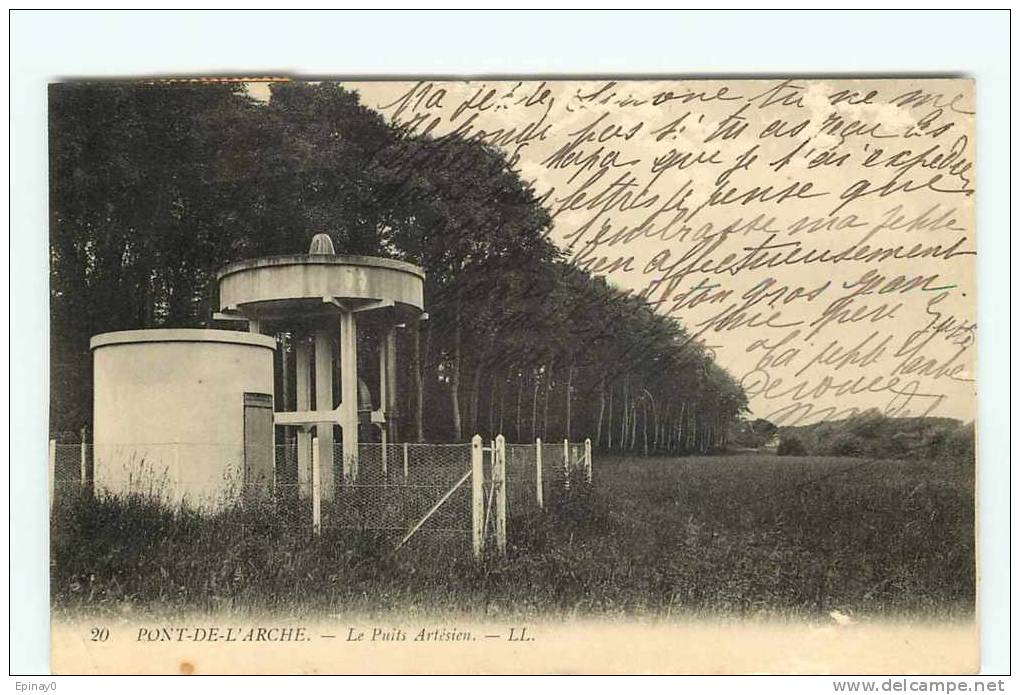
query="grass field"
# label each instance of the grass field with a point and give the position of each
(742, 535)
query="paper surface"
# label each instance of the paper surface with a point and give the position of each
(719, 200)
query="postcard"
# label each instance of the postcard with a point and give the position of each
(513, 376)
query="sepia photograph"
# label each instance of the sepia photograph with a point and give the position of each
(457, 376)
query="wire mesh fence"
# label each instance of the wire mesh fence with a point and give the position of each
(402, 494)
(552, 467)
(526, 485)
(398, 488)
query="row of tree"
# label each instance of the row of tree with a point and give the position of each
(156, 186)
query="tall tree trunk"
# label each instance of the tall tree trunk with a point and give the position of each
(664, 432)
(609, 425)
(602, 410)
(644, 425)
(545, 398)
(694, 426)
(680, 427)
(520, 391)
(687, 429)
(502, 393)
(655, 428)
(570, 388)
(633, 424)
(492, 404)
(419, 385)
(623, 418)
(476, 384)
(667, 427)
(455, 378)
(476, 379)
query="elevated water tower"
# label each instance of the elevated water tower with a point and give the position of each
(321, 298)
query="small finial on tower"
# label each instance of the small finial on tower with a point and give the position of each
(322, 245)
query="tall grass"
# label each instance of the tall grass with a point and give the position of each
(743, 536)
(775, 535)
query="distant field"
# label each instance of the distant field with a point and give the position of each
(764, 534)
(748, 535)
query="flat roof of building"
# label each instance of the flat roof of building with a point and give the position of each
(320, 259)
(182, 335)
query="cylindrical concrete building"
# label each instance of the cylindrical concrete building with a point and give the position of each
(185, 415)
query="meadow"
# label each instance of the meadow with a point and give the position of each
(750, 535)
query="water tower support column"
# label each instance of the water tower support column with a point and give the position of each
(349, 393)
(325, 291)
(324, 401)
(303, 383)
(388, 382)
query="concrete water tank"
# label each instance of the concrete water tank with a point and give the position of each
(185, 415)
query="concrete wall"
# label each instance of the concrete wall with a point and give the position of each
(169, 411)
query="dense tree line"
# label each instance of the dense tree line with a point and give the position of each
(871, 434)
(156, 186)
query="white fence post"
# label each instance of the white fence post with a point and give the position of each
(405, 460)
(52, 468)
(316, 489)
(538, 473)
(499, 480)
(566, 464)
(587, 458)
(477, 501)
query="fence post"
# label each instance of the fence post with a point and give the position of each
(566, 464)
(316, 489)
(538, 473)
(405, 460)
(52, 468)
(477, 503)
(587, 458)
(499, 480)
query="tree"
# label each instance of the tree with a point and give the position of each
(157, 186)
(459, 210)
(791, 446)
(136, 215)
